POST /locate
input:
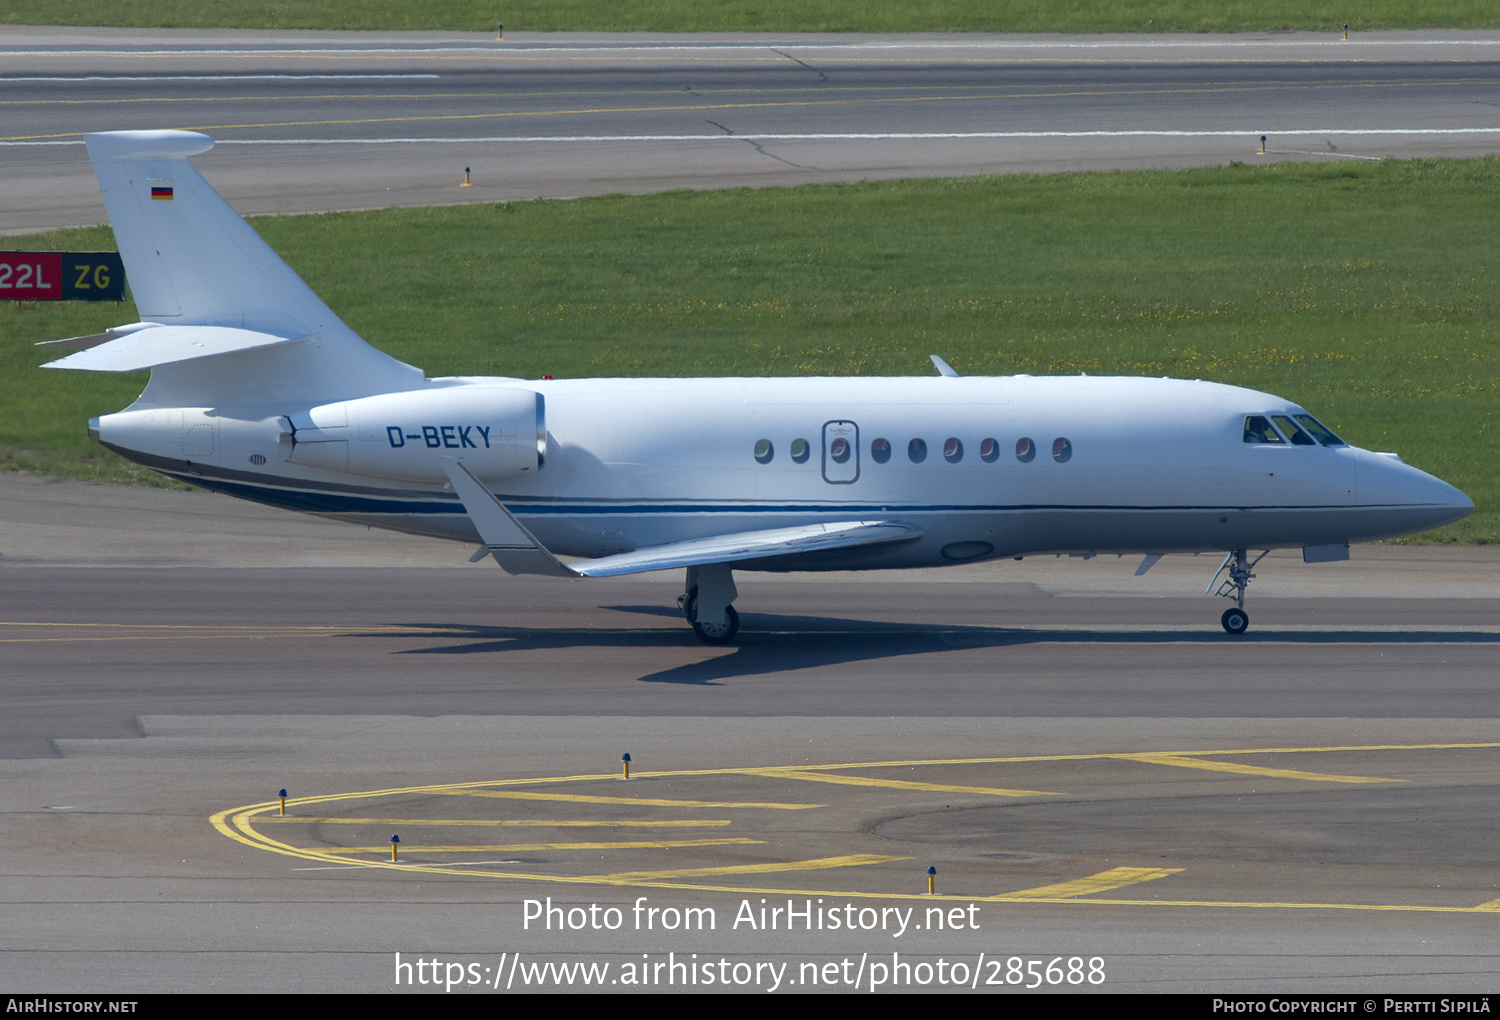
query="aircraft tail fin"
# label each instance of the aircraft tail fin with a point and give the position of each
(191, 260)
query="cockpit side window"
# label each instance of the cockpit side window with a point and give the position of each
(1258, 430)
(1320, 431)
(1292, 432)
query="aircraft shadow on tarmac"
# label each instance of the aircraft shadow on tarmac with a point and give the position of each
(769, 643)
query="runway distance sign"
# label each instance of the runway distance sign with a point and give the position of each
(61, 276)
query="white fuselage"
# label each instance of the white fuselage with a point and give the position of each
(596, 467)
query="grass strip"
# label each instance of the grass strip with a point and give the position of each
(885, 16)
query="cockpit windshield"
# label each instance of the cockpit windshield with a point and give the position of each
(1258, 430)
(1296, 429)
(1320, 431)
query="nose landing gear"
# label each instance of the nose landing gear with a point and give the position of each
(1235, 621)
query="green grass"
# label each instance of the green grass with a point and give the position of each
(1365, 291)
(765, 15)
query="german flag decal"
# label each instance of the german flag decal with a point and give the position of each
(161, 192)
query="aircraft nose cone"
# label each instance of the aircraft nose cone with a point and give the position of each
(1406, 500)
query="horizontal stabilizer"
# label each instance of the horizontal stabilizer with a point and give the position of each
(148, 345)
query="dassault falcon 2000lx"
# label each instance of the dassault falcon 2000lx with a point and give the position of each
(258, 390)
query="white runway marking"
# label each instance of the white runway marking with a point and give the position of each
(1248, 133)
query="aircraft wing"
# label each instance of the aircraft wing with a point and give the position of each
(518, 551)
(747, 545)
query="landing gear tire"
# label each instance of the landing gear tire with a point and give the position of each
(721, 634)
(1235, 621)
(688, 603)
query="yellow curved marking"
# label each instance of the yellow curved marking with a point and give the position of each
(898, 784)
(236, 824)
(645, 844)
(1114, 878)
(818, 864)
(1182, 761)
(1092, 756)
(579, 798)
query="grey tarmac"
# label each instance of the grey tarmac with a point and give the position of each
(1082, 755)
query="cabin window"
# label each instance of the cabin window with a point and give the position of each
(1319, 431)
(1291, 431)
(1025, 450)
(839, 450)
(989, 451)
(764, 451)
(953, 450)
(1062, 450)
(916, 451)
(800, 451)
(880, 450)
(1258, 430)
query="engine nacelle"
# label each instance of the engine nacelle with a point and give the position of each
(497, 431)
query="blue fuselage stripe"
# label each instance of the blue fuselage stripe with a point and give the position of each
(323, 502)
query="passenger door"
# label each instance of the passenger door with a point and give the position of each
(840, 452)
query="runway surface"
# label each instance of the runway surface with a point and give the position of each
(1104, 781)
(315, 121)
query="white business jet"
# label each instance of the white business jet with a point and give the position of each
(259, 391)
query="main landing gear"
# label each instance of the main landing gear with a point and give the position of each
(707, 601)
(1236, 621)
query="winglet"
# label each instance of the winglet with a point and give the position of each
(504, 537)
